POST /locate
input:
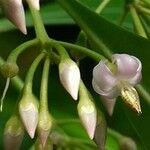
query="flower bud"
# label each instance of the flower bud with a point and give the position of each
(100, 131)
(14, 11)
(35, 4)
(88, 114)
(28, 109)
(70, 77)
(44, 126)
(9, 70)
(13, 134)
(39, 146)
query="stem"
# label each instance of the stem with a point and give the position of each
(86, 51)
(17, 51)
(143, 10)
(138, 25)
(143, 93)
(44, 84)
(103, 4)
(123, 16)
(30, 74)
(38, 23)
(4, 93)
(147, 2)
(16, 81)
(61, 50)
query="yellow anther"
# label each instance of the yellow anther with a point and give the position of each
(131, 98)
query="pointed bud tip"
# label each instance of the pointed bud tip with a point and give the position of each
(69, 74)
(29, 117)
(24, 30)
(88, 117)
(43, 134)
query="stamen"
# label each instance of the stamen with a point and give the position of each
(131, 98)
(4, 93)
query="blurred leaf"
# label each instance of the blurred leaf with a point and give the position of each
(52, 14)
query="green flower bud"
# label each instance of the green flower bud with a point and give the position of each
(44, 126)
(28, 109)
(13, 133)
(9, 70)
(87, 111)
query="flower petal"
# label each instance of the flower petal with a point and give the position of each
(111, 94)
(103, 77)
(127, 65)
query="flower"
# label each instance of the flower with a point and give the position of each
(118, 78)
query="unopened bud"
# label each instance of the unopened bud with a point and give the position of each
(88, 115)
(44, 126)
(9, 70)
(28, 109)
(69, 74)
(100, 131)
(14, 11)
(13, 134)
(35, 4)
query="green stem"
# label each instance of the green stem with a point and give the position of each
(21, 48)
(142, 9)
(4, 93)
(103, 4)
(123, 16)
(61, 50)
(16, 81)
(137, 22)
(30, 74)
(84, 50)
(44, 84)
(143, 93)
(38, 24)
(147, 2)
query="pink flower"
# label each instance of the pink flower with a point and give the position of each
(111, 82)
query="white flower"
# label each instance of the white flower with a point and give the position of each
(120, 81)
